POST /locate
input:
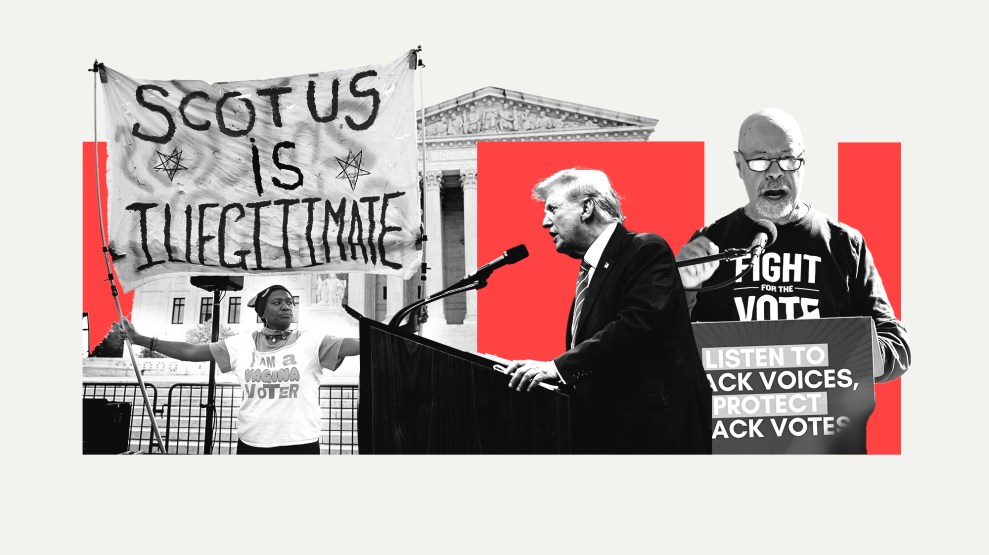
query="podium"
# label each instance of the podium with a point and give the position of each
(418, 396)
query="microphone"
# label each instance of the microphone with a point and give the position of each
(511, 256)
(477, 280)
(763, 234)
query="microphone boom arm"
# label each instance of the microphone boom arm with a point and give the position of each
(476, 280)
(452, 290)
(763, 235)
(727, 254)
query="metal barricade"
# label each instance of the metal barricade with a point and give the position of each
(338, 404)
(185, 421)
(139, 429)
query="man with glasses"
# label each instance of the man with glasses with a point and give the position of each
(631, 365)
(816, 268)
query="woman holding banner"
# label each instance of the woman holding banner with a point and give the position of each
(278, 368)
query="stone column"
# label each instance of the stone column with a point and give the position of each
(433, 215)
(396, 296)
(360, 293)
(468, 180)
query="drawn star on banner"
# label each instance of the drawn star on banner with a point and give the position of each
(171, 164)
(350, 169)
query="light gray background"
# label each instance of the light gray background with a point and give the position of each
(849, 71)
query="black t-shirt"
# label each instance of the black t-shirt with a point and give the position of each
(817, 268)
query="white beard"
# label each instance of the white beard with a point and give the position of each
(779, 210)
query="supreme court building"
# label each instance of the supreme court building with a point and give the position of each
(169, 307)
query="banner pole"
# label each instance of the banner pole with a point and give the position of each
(422, 111)
(422, 199)
(98, 68)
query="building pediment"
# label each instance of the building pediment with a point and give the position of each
(492, 113)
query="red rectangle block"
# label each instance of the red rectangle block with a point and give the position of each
(97, 298)
(869, 201)
(522, 313)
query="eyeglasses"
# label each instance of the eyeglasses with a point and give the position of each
(787, 164)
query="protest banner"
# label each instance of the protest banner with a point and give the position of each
(306, 173)
(790, 386)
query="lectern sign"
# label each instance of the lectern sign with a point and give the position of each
(800, 386)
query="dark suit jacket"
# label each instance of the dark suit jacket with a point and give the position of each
(637, 381)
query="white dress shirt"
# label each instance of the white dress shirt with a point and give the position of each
(593, 254)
